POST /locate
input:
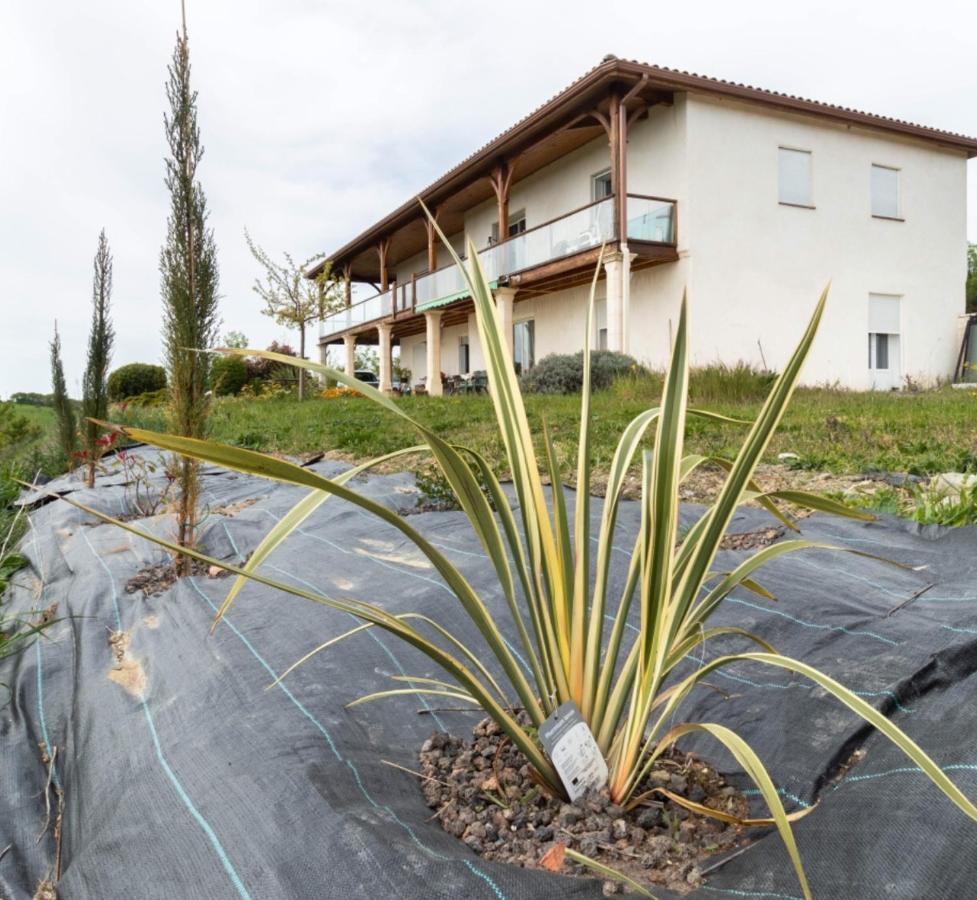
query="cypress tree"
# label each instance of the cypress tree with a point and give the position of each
(95, 395)
(188, 269)
(62, 404)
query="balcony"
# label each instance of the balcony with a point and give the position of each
(650, 223)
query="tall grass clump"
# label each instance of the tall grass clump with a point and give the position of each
(555, 580)
(724, 383)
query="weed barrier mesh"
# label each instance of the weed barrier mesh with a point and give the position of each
(183, 775)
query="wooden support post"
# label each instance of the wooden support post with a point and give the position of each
(501, 179)
(382, 249)
(614, 139)
(432, 244)
(622, 175)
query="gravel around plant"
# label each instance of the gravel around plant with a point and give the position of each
(483, 793)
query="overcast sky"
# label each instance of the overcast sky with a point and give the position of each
(320, 117)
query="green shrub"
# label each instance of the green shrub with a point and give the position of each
(15, 427)
(562, 373)
(31, 398)
(150, 398)
(228, 374)
(134, 379)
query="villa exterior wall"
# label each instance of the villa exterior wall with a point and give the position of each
(754, 267)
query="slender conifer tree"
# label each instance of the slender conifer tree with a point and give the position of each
(189, 277)
(95, 393)
(67, 434)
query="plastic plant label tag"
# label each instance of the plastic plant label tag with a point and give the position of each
(570, 745)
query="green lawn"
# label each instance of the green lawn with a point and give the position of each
(834, 431)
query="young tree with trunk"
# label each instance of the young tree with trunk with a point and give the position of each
(293, 299)
(189, 279)
(94, 387)
(67, 435)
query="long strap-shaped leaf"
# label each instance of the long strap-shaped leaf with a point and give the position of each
(376, 615)
(855, 703)
(252, 463)
(460, 477)
(293, 519)
(581, 524)
(514, 426)
(757, 773)
(742, 471)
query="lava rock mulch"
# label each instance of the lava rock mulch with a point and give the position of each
(483, 793)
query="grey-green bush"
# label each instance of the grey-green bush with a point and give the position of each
(562, 373)
(228, 374)
(134, 379)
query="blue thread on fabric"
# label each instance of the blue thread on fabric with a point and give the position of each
(332, 746)
(281, 685)
(756, 792)
(171, 775)
(400, 572)
(372, 633)
(958, 630)
(40, 715)
(738, 893)
(906, 770)
(813, 625)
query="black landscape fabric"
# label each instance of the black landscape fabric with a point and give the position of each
(184, 776)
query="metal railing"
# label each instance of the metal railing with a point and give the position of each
(650, 219)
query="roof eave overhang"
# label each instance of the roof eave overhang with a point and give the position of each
(565, 104)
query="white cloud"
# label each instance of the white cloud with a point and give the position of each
(320, 117)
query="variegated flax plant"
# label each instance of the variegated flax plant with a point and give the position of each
(557, 592)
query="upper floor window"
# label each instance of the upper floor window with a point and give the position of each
(885, 192)
(600, 185)
(794, 177)
(517, 225)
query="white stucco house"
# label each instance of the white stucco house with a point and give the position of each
(749, 199)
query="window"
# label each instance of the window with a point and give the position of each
(885, 192)
(464, 357)
(524, 345)
(883, 340)
(517, 225)
(600, 185)
(794, 177)
(600, 315)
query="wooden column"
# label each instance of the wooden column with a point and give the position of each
(501, 179)
(613, 127)
(382, 249)
(622, 174)
(432, 244)
(348, 283)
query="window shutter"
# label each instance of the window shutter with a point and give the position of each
(883, 314)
